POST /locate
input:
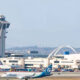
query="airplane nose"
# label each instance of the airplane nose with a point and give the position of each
(3, 75)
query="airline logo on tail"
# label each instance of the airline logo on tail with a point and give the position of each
(46, 72)
(49, 68)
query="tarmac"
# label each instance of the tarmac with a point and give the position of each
(47, 78)
(55, 76)
(65, 74)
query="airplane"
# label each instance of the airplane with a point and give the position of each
(28, 75)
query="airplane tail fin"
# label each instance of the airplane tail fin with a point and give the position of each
(48, 69)
(46, 72)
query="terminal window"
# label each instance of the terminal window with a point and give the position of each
(56, 61)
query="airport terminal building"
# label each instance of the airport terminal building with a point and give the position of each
(66, 60)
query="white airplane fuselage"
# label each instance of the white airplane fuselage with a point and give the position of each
(27, 74)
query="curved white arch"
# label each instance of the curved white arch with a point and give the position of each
(59, 48)
(52, 53)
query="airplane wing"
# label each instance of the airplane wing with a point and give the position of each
(25, 76)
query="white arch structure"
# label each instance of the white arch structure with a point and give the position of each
(55, 51)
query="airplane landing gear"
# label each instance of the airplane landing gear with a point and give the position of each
(25, 79)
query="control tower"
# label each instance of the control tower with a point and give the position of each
(3, 26)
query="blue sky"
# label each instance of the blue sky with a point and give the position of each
(44, 23)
